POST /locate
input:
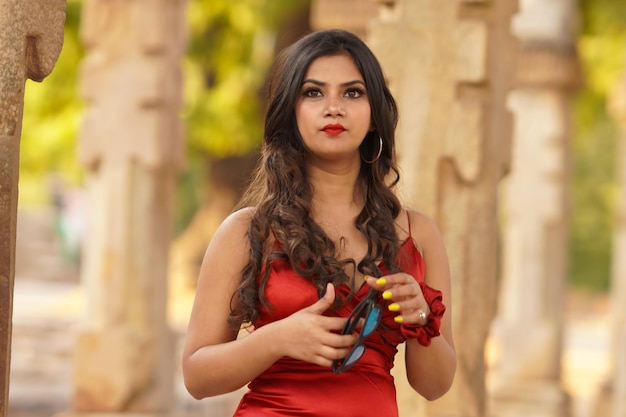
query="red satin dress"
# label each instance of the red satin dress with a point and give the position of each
(295, 388)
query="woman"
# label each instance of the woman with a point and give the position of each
(320, 228)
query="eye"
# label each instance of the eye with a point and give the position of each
(312, 92)
(354, 93)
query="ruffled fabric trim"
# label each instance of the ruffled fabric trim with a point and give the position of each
(425, 333)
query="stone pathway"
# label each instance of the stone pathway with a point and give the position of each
(48, 302)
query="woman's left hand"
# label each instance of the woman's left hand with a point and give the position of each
(405, 295)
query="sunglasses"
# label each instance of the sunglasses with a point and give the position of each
(370, 312)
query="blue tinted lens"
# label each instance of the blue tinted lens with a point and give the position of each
(354, 356)
(371, 321)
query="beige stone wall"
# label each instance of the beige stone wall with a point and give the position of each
(352, 15)
(31, 37)
(449, 66)
(131, 143)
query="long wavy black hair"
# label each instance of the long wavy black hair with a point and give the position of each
(282, 194)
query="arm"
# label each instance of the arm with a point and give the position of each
(430, 370)
(214, 360)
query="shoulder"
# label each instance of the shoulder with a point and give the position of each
(423, 229)
(228, 251)
(429, 240)
(231, 235)
(239, 219)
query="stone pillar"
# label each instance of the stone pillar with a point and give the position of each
(618, 287)
(352, 15)
(131, 144)
(31, 37)
(526, 378)
(449, 65)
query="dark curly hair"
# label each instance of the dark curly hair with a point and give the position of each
(282, 195)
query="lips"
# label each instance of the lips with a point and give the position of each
(334, 129)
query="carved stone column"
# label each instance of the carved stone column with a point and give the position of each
(526, 379)
(352, 15)
(132, 146)
(31, 37)
(618, 286)
(449, 65)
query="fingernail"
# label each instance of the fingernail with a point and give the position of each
(394, 307)
(381, 281)
(398, 319)
(387, 295)
(366, 277)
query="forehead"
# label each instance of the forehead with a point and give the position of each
(340, 67)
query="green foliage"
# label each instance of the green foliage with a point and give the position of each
(52, 114)
(593, 194)
(602, 48)
(231, 48)
(188, 190)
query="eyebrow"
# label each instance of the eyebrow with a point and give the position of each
(321, 84)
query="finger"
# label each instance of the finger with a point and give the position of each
(415, 316)
(397, 279)
(332, 323)
(404, 292)
(327, 354)
(387, 282)
(334, 354)
(378, 283)
(337, 341)
(325, 302)
(326, 358)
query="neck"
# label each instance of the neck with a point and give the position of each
(335, 189)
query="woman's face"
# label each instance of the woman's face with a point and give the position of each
(333, 109)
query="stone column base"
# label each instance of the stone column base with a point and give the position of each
(530, 398)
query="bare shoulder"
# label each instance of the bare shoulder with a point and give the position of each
(241, 217)
(429, 240)
(230, 242)
(235, 226)
(422, 226)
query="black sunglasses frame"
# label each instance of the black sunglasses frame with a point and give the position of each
(363, 310)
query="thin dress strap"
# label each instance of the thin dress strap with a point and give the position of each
(418, 247)
(408, 219)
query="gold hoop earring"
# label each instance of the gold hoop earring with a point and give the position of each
(380, 151)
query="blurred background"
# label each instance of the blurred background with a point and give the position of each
(230, 47)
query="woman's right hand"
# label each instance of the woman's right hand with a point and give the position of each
(310, 336)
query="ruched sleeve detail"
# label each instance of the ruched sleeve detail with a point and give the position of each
(425, 333)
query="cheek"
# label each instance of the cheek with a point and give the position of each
(299, 116)
(368, 122)
(303, 121)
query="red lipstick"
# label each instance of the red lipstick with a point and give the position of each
(333, 129)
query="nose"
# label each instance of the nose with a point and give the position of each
(334, 107)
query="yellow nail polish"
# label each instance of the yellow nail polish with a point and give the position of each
(381, 281)
(398, 319)
(365, 277)
(394, 307)
(387, 295)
